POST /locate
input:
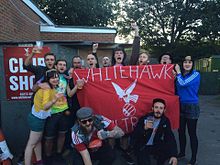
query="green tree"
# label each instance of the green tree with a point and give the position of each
(80, 12)
(176, 26)
(209, 30)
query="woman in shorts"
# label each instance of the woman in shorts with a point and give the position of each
(43, 100)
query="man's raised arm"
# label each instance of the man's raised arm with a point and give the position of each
(28, 60)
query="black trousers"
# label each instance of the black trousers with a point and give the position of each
(68, 140)
(192, 126)
(105, 155)
(159, 152)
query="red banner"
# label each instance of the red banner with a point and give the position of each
(125, 93)
(19, 81)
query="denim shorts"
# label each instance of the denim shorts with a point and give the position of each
(35, 123)
(189, 110)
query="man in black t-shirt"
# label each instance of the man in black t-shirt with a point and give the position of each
(153, 136)
(39, 71)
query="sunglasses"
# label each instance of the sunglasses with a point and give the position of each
(87, 120)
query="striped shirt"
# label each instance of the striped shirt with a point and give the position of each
(81, 141)
(188, 86)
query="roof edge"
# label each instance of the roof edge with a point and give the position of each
(68, 29)
(32, 6)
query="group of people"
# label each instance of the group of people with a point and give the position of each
(56, 114)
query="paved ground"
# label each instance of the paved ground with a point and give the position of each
(208, 134)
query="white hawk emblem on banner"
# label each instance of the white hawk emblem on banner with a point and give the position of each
(128, 109)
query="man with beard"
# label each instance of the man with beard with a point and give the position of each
(153, 136)
(72, 99)
(59, 111)
(39, 71)
(90, 135)
(73, 102)
(76, 64)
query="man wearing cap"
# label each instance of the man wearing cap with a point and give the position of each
(89, 136)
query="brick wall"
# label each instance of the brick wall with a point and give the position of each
(78, 37)
(14, 26)
(17, 28)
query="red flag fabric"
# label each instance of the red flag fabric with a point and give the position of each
(125, 93)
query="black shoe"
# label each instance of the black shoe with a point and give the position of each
(48, 160)
(180, 155)
(128, 158)
(192, 162)
(20, 160)
(59, 159)
(40, 162)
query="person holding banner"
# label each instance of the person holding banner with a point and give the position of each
(153, 136)
(73, 105)
(92, 61)
(89, 136)
(187, 85)
(57, 123)
(76, 64)
(165, 58)
(143, 58)
(118, 59)
(44, 99)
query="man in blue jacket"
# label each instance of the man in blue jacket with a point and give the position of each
(153, 136)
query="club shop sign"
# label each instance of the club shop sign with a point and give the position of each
(19, 81)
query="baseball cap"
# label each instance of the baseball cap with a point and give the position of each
(84, 113)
